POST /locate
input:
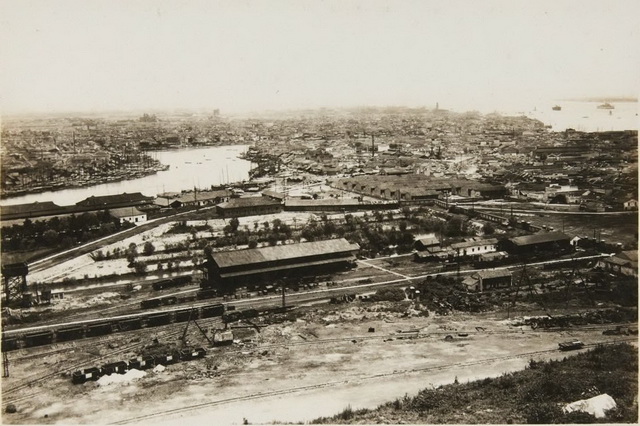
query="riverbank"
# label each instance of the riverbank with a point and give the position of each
(182, 169)
(124, 175)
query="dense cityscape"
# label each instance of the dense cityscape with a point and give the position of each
(319, 212)
(419, 215)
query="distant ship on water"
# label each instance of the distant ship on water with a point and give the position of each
(606, 105)
(557, 108)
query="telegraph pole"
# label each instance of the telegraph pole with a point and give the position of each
(5, 364)
(283, 297)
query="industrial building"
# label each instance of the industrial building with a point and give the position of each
(487, 280)
(249, 206)
(624, 263)
(31, 210)
(335, 205)
(475, 247)
(114, 201)
(128, 214)
(228, 270)
(543, 241)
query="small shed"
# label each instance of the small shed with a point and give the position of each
(489, 279)
(128, 214)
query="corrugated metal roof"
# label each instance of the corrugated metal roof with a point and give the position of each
(544, 237)
(289, 251)
(498, 273)
(345, 258)
(248, 202)
(322, 202)
(125, 212)
(30, 208)
(103, 200)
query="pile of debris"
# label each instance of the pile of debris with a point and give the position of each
(604, 316)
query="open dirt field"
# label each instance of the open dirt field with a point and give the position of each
(313, 365)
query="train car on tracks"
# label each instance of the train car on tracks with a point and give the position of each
(39, 338)
(84, 375)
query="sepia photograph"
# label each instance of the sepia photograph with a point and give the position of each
(319, 212)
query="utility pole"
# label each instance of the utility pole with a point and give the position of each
(283, 297)
(5, 364)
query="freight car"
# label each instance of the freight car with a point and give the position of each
(120, 367)
(158, 301)
(130, 324)
(249, 313)
(158, 319)
(232, 316)
(213, 311)
(206, 294)
(69, 333)
(38, 339)
(14, 340)
(187, 314)
(9, 344)
(189, 354)
(139, 363)
(142, 363)
(172, 282)
(99, 329)
(81, 376)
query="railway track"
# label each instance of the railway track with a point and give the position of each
(315, 293)
(176, 330)
(157, 414)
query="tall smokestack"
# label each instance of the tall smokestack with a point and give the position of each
(373, 145)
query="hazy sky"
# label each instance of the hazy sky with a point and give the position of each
(59, 55)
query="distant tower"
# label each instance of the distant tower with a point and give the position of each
(216, 112)
(437, 106)
(15, 280)
(373, 145)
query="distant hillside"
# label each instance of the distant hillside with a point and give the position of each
(534, 395)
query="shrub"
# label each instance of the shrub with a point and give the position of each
(389, 294)
(543, 413)
(148, 249)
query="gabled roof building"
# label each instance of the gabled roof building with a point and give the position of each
(231, 269)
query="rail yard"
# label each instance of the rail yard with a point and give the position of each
(284, 343)
(334, 277)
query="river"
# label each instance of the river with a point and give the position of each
(586, 117)
(203, 167)
(188, 168)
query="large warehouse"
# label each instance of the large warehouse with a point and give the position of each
(231, 269)
(541, 242)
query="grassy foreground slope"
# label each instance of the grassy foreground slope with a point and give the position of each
(534, 395)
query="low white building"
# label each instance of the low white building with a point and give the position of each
(475, 247)
(128, 214)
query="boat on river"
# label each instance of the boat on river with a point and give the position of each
(606, 105)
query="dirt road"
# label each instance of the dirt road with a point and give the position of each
(299, 370)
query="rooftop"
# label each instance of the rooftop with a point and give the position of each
(125, 212)
(323, 202)
(290, 251)
(494, 273)
(543, 237)
(475, 243)
(30, 208)
(105, 200)
(248, 202)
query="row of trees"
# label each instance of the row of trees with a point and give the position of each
(379, 233)
(59, 231)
